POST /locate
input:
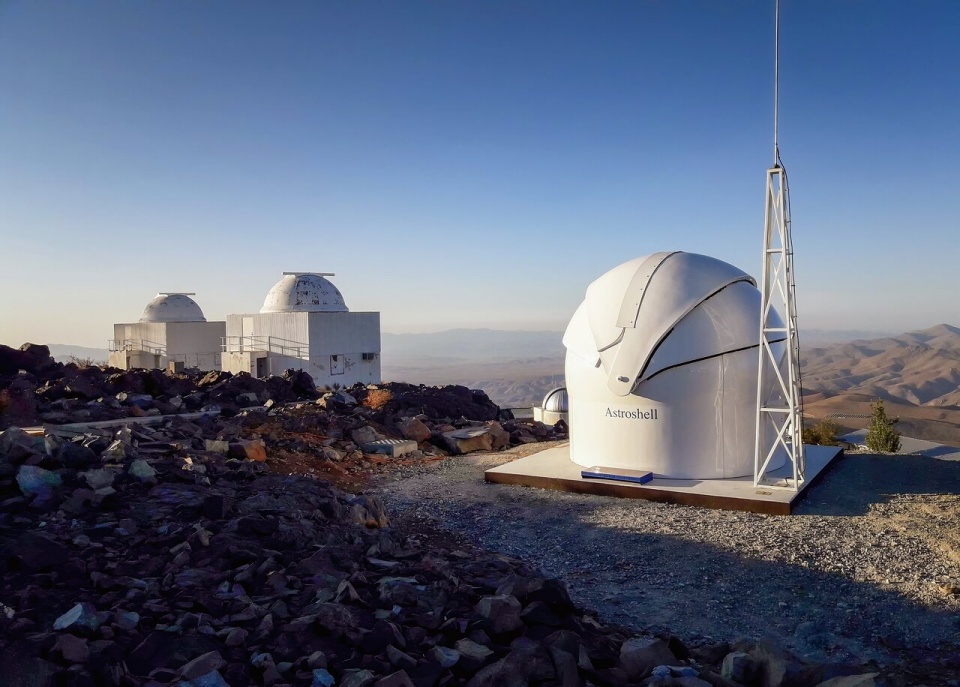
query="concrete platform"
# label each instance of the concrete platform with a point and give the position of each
(553, 469)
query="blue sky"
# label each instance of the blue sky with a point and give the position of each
(468, 164)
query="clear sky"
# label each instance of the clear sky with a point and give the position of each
(467, 163)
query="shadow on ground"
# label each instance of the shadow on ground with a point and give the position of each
(859, 480)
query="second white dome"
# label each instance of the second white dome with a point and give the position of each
(304, 292)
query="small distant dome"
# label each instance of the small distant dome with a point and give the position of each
(556, 400)
(304, 292)
(173, 307)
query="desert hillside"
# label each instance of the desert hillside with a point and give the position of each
(917, 374)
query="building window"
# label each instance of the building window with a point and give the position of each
(369, 356)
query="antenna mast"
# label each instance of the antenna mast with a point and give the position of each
(779, 388)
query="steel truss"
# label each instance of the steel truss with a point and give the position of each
(779, 388)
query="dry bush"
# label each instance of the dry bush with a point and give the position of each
(84, 363)
(377, 398)
(823, 433)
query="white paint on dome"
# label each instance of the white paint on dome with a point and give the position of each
(304, 292)
(172, 306)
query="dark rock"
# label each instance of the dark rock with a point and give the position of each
(640, 655)
(413, 429)
(710, 654)
(776, 666)
(501, 612)
(82, 618)
(75, 455)
(336, 619)
(397, 679)
(35, 552)
(72, 649)
(739, 667)
(202, 665)
(20, 667)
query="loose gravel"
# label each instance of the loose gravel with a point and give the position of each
(867, 567)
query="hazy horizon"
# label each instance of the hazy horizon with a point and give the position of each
(453, 342)
(467, 164)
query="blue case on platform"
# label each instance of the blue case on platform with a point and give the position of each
(617, 474)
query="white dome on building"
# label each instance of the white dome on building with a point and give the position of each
(555, 400)
(304, 292)
(661, 368)
(172, 307)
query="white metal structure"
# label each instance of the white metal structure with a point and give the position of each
(554, 408)
(304, 292)
(173, 306)
(781, 410)
(305, 324)
(661, 368)
(171, 329)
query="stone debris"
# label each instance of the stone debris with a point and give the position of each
(183, 552)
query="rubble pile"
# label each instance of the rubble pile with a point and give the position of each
(299, 428)
(135, 558)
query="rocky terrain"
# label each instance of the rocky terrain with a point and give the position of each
(211, 546)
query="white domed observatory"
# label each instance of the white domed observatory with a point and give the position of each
(554, 407)
(661, 369)
(305, 324)
(172, 329)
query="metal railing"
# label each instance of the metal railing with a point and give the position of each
(137, 345)
(269, 344)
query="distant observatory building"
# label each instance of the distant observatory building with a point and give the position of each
(171, 330)
(554, 408)
(661, 369)
(305, 324)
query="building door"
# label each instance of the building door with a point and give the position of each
(336, 364)
(261, 368)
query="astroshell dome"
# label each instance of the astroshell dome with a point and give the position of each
(304, 292)
(172, 307)
(661, 368)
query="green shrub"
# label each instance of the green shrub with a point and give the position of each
(882, 436)
(822, 433)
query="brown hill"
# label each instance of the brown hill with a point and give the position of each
(917, 374)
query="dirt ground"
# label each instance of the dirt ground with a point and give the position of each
(866, 569)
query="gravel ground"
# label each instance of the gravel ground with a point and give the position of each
(867, 568)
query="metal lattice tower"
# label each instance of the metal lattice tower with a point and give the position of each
(779, 387)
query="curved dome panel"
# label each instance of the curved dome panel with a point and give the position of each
(304, 292)
(555, 400)
(172, 307)
(633, 307)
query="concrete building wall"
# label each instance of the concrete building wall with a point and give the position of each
(128, 360)
(194, 337)
(345, 348)
(332, 347)
(149, 333)
(252, 331)
(154, 344)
